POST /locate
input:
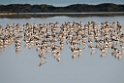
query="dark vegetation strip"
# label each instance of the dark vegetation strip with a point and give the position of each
(27, 8)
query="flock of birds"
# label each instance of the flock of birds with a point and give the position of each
(52, 38)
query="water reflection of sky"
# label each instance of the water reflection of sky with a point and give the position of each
(23, 67)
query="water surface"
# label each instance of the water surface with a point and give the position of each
(23, 67)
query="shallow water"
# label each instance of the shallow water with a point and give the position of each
(23, 67)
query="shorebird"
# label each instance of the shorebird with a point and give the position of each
(122, 46)
(52, 37)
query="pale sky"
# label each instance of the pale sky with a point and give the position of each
(60, 2)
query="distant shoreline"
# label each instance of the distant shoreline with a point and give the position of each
(74, 8)
(46, 15)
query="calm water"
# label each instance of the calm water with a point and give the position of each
(23, 67)
(60, 2)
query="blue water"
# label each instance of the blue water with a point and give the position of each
(60, 2)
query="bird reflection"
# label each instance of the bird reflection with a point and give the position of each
(52, 38)
(103, 54)
(76, 55)
(58, 59)
(1, 49)
(42, 63)
(92, 52)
